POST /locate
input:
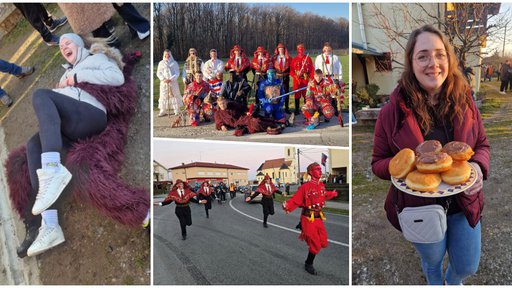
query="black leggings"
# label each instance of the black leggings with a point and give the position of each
(62, 121)
(185, 216)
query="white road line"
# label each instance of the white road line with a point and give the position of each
(278, 226)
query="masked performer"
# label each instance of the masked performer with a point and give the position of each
(261, 62)
(267, 189)
(331, 68)
(312, 196)
(318, 99)
(168, 72)
(281, 62)
(236, 89)
(268, 92)
(206, 193)
(192, 64)
(182, 195)
(194, 97)
(212, 66)
(302, 71)
(238, 62)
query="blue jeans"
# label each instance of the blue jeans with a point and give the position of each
(10, 68)
(463, 244)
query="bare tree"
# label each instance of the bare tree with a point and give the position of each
(465, 24)
(179, 26)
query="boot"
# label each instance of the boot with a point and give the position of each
(31, 232)
(297, 107)
(309, 264)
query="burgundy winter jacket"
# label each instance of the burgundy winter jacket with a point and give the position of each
(397, 128)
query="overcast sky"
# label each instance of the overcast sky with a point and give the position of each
(173, 152)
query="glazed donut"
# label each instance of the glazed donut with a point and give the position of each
(459, 174)
(459, 151)
(402, 163)
(433, 162)
(423, 182)
(429, 146)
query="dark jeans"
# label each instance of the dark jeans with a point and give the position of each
(10, 68)
(62, 121)
(37, 16)
(131, 16)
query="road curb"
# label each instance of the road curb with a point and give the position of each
(17, 271)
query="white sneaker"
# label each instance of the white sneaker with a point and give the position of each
(51, 185)
(503, 92)
(143, 36)
(47, 238)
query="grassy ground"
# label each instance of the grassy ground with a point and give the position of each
(156, 81)
(375, 260)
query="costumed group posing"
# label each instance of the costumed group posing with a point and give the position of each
(310, 196)
(204, 86)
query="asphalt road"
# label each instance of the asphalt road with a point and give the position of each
(232, 247)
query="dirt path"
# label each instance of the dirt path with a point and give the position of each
(393, 260)
(97, 250)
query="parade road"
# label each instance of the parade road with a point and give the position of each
(233, 247)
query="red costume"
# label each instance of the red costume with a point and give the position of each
(205, 192)
(181, 196)
(261, 65)
(266, 188)
(318, 98)
(193, 98)
(302, 70)
(312, 196)
(174, 196)
(234, 116)
(240, 65)
(282, 66)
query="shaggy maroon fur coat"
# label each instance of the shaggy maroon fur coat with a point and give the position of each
(94, 162)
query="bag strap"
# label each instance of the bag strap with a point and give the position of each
(444, 202)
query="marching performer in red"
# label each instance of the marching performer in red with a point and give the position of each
(238, 62)
(281, 62)
(267, 189)
(182, 195)
(194, 95)
(302, 70)
(205, 193)
(311, 196)
(318, 99)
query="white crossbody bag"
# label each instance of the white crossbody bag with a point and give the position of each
(424, 224)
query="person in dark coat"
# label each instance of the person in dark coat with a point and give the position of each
(505, 76)
(181, 193)
(432, 102)
(236, 89)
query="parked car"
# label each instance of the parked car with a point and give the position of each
(248, 193)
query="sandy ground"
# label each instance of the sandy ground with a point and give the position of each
(391, 260)
(97, 250)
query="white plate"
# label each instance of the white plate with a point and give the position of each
(443, 190)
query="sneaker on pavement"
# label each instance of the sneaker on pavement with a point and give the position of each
(54, 41)
(48, 238)
(25, 71)
(144, 35)
(51, 185)
(6, 100)
(56, 23)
